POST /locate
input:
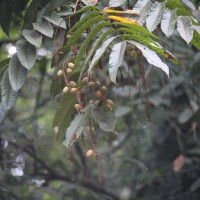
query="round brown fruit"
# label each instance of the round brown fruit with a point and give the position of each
(99, 94)
(74, 90)
(72, 84)
(85, 80)
(91, 84)
(60, 73)
(103, 88)
(109, 107)
(97, 103)
(98, 84)
(109, 102)
(65, 90)
(77, 107)
(69, 70)
(70, 65)
(89, 153)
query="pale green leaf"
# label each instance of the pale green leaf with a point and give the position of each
(151, 56)
(26, 53)
(168, 21)
(55, 19)
(116, 3)
(76, 126)
(33, 37)
(44, 27)
(99, 53)
(9, 96)
(115, 59)
(197, 28)
(154, 16)
(143, 7)
(189, 4)
(184, 27)
(17, 73)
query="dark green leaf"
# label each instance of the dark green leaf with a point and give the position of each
(33, 37)
(9, 96)
(17, 73)
(44, 27)
(56, 20)
(5, 17)
(26, 53)
(104, 118)
(2, 113)
(63, 115)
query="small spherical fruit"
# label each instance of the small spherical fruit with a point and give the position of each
(109, 102)
(74, 136)
(77, 107)
(60, 74)
(65, 90)
(99, 93)
(91, 84)
(109, 107)
(98, 84)
(85, 80)
(68, 36)
(92, 129)
(69, 70)
(70, 65)
(74, 90)
(72, 84)
(91, 101)
(97, 103)
(89, 153)
(103, 88)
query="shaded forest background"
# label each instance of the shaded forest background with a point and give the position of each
(154, 157)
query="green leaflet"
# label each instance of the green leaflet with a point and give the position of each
(85, 19)
(91, 35)
(86, 8)
(135, 27)
(17, 73)
(99, 53)
(196, 39)
(26, 53)
(115, 59)
(8, 95)
(80, 30)
(76, 126)
(63, 115)
(95, 46)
